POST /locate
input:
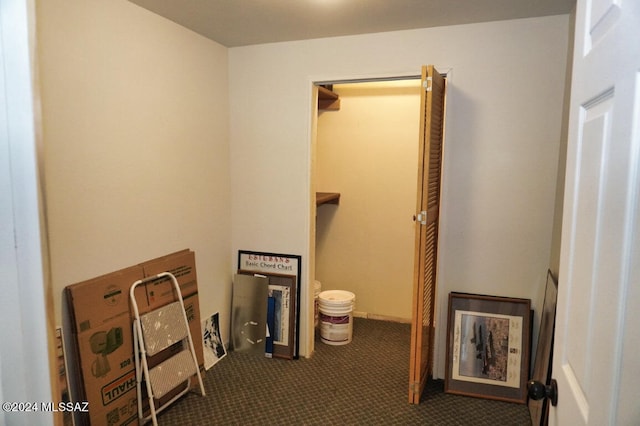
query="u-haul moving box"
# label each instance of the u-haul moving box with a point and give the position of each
(102, 349)
(102, 357)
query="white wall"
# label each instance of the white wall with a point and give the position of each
(135, 112)
(503, 131)
(368, 151)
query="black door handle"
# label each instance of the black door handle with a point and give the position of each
(538, 390)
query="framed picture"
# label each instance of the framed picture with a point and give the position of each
(275, 263)
(281, 321)
(213, 347)
(488, 344)
(539, 410)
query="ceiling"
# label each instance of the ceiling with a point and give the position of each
(235, 23)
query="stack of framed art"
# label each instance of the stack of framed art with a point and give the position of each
(283, 314)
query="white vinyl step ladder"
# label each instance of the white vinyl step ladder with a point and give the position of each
(163, 329)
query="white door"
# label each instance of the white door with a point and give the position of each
(597, 344)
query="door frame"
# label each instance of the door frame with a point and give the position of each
(27, 366)
(314, 81)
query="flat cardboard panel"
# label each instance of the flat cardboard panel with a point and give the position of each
(108, 371)
(100, 300)
(192, 308)
(160, 292)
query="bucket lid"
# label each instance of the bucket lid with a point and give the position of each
(337, 296)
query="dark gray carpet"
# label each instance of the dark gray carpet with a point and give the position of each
(362, 383)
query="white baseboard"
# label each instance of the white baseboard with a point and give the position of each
(360, 314)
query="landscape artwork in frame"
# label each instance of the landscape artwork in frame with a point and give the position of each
(488, 347)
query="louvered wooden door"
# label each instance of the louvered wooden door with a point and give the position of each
(427, 218)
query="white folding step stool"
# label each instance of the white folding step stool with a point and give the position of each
(154, 332)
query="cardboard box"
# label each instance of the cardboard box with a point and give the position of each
(182, 265)
(102, 354)
(100, 300)
(102, 351)
(108, 373)
(112, 394)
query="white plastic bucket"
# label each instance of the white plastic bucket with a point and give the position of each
(317, 288)
(336, 316)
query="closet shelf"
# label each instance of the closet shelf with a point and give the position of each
(327, 198)
(327, 99)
